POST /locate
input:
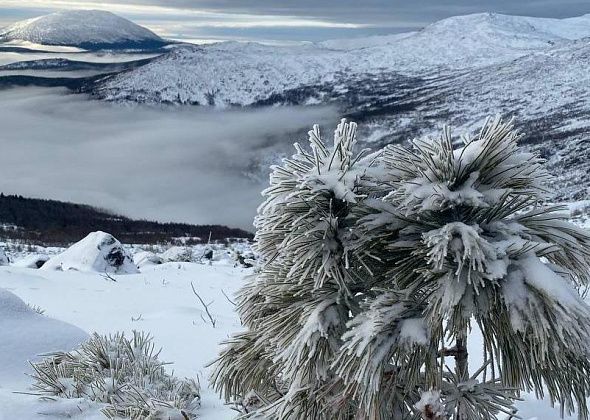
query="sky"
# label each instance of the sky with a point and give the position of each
(294, 20)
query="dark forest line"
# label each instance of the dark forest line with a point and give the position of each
(56, 223)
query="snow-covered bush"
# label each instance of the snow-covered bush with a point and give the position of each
(31, 261)
(178, 254)
(4, 260)
(125, 374)
(375, 270)
(147, 258)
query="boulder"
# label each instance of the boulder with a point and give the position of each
(99, 252)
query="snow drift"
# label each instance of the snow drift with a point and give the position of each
(99, 252)
(24, 334)
(88, 29)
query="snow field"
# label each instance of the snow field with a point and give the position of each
(159, 301)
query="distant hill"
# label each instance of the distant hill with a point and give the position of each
(87, 29)
(57, 223)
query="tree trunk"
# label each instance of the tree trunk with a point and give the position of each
(461, 370)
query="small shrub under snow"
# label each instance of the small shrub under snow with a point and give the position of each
(31, 261)
(125, 374)
(146, 258)
(178, 254)
(3, 258)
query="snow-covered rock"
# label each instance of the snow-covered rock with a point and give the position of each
(88, 29)
(178, 254)
(4, 260)
(32, 261)
(25, 334)
(146, 258)
(99, 252)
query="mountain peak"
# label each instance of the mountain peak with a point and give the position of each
(523, 27)
(88, 29)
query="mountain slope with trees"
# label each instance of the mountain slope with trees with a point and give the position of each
(57, 223)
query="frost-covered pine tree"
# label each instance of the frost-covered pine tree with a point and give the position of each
(380, 272)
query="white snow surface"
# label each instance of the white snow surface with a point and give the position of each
(76, 27)
(160, 301)
(25, 334)
(245, 73)
(99, 252)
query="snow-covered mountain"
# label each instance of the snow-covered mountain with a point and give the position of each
(547, 92)
(457, 70)
(248, 73)
(88, 29)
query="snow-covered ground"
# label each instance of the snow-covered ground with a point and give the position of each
(159, 300)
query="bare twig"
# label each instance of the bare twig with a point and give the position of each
(206, 306)
(228, 299)
(108, 277)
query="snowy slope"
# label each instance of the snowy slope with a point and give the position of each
(88, 29)
(224, 74)
(546, 91)
(468, 41)
(248, 73)
(456, 71)
(159, 301)
(477, 30)
(44, 335)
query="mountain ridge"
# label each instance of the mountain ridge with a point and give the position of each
(230, 73)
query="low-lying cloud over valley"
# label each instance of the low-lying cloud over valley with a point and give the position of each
(171, 164)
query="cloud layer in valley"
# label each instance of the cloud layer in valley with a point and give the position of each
(179, 164)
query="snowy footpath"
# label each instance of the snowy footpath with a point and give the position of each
(159, 300)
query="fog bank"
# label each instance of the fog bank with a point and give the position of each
(185, 164)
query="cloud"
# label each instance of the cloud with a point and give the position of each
(171, 164)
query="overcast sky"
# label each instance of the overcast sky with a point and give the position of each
(290, 20)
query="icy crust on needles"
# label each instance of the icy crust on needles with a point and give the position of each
(99, 252)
